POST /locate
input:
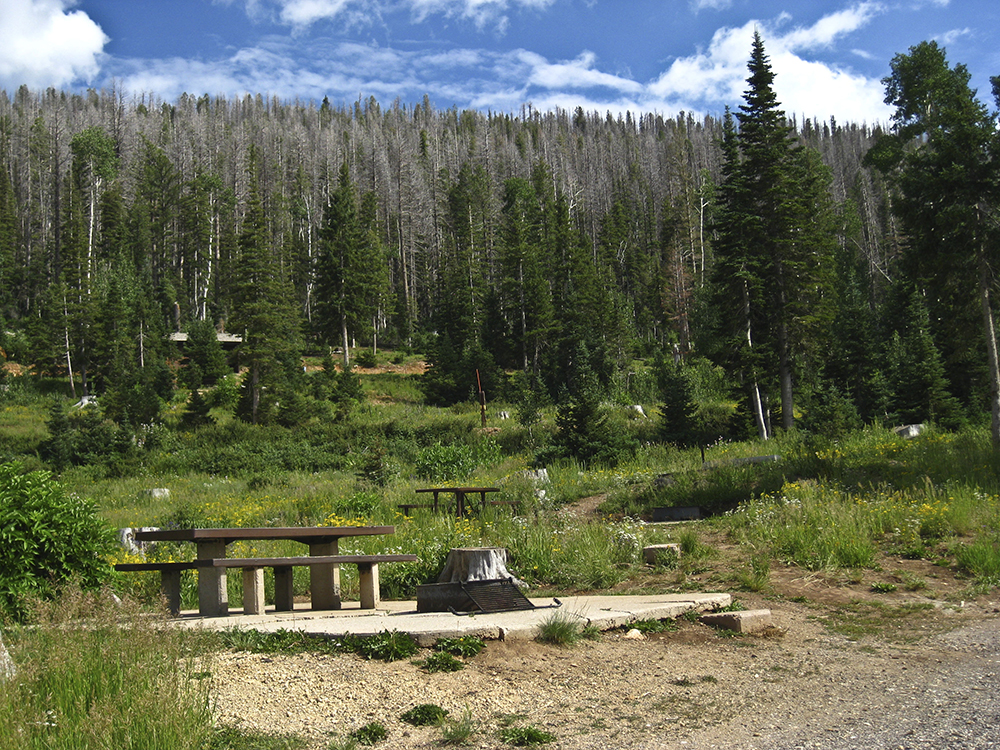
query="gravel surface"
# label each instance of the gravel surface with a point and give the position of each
(799, 686)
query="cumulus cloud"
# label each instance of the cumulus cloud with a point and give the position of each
(574, 74)
(718, 74)
(45, 43)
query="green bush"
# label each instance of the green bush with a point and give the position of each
(465, 645)
(425, 715)
(47, 537)
(440, 462)
(370, 733)
(526, 736)
(440, 661)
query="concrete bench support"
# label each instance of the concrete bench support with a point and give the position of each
(283, 566)
(170, 579)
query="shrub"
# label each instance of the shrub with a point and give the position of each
(440, 462)
(440, 661)
(370, 733)
(466, 645)
(390, 645)
(46, 538)
(526, 736)
(424, 715)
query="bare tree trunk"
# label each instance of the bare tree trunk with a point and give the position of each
(755, 401)
(69, 362)
(991, 347)
(343, 334)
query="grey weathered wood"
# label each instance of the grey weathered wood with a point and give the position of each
(475, 564)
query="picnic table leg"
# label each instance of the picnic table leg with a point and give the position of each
(460, 503)
(253, 591)
(324, 580)
(213, 597)
(170, 584)
(284, 597)
(368, 579)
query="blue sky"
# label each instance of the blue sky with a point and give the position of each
(607, 55)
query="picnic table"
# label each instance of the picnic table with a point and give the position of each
(210, 554)
(459, 494)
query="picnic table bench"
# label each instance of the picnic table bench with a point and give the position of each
(211, 562)
(461, 505)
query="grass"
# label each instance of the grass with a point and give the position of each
(92, 673)
(560, 628)
(460, 730)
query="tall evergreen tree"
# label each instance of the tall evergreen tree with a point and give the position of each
(774, 247)
(944, 155)
(264, 311)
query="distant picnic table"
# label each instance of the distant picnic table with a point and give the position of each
(459, 497)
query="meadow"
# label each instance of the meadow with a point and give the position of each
(846, 508)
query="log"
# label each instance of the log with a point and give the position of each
(476, 564)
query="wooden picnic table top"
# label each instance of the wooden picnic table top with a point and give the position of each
(304, 534)
(459, 489)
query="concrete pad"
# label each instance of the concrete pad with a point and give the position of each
(747, 621)
(602, 612)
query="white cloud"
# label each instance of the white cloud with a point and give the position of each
(306, 12)
(717, 75)
(698, 5)
(950, 37)
(575, 74)
(826, 30)
(44, 43)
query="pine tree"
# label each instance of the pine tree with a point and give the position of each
(264, 311)
(773, 246)
(942, 154)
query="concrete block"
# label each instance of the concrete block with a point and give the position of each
(747, 621)
(653, 551)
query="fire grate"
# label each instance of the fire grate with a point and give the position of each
(497, 595)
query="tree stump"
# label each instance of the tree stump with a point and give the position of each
(476, 564)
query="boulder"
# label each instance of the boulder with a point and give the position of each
(908, 431)
(746, 621)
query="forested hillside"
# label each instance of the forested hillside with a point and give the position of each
(529, 241)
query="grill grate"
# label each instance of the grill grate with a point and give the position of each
(497, 595)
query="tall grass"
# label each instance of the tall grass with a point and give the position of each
(95, 673)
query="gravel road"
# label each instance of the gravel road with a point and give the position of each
(803, 686)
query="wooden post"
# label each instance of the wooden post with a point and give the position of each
(482, 400)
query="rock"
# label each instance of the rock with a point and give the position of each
(7, 667)
(158, 493)
(652, 553)
(908, 431)
(126, 538)
(637, 410)
(537, 476)
(634, 635)
(747, 621)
